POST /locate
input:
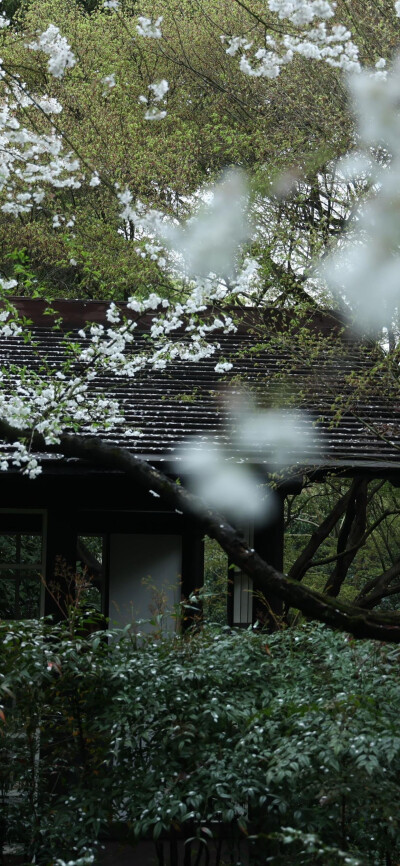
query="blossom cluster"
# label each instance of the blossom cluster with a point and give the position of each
(364, 269)
(302, 12)
(109, 82)
(316, 41)
(30, 161)
(149, 28)
(57, 49)
(54, 402)
(158, 91)
(281, 438)
(49, 403)
(208, 243)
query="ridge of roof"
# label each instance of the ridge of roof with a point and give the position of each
(75, 313)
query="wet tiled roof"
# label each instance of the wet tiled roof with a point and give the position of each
(189, 400)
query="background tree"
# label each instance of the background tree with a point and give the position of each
(296, 125)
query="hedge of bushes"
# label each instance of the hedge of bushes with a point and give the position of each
(288, 743)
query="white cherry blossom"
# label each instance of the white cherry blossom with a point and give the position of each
(146, 27)
(365, 268)
(316, 41)
(109, 82)
(52, 43)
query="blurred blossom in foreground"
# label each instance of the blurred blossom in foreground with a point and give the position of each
(209, 242)
(232, 488)
(282, 438)
(277, 438)
(365, 269)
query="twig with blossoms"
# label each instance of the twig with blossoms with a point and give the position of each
(334, 46)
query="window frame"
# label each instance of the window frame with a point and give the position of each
(19, 522)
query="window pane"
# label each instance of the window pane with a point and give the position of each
(91, 598)
(19, 594)
(89, 555)
(242, 598)
(90, 551)
(21, 549)
(8, 587)
(8, 548)
(29, 597)
(31, 549)
(215, 582)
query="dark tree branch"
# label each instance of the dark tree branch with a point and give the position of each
(336, 614)
(304, 561)
(375, 598)
(316, 563)
(350, 536)
(378, 587)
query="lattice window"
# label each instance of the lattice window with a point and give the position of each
(21, 570)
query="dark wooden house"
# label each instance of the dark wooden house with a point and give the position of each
(135, 548)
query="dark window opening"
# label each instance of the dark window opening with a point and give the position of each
(90, 573)
(21, 570)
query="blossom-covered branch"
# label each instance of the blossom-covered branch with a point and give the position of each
(309, 37)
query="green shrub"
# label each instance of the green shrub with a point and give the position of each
(291, 738)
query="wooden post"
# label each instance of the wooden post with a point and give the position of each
(269, 544)
(192, 568)
(60, 541)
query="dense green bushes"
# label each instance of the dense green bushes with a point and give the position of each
(215, 731)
